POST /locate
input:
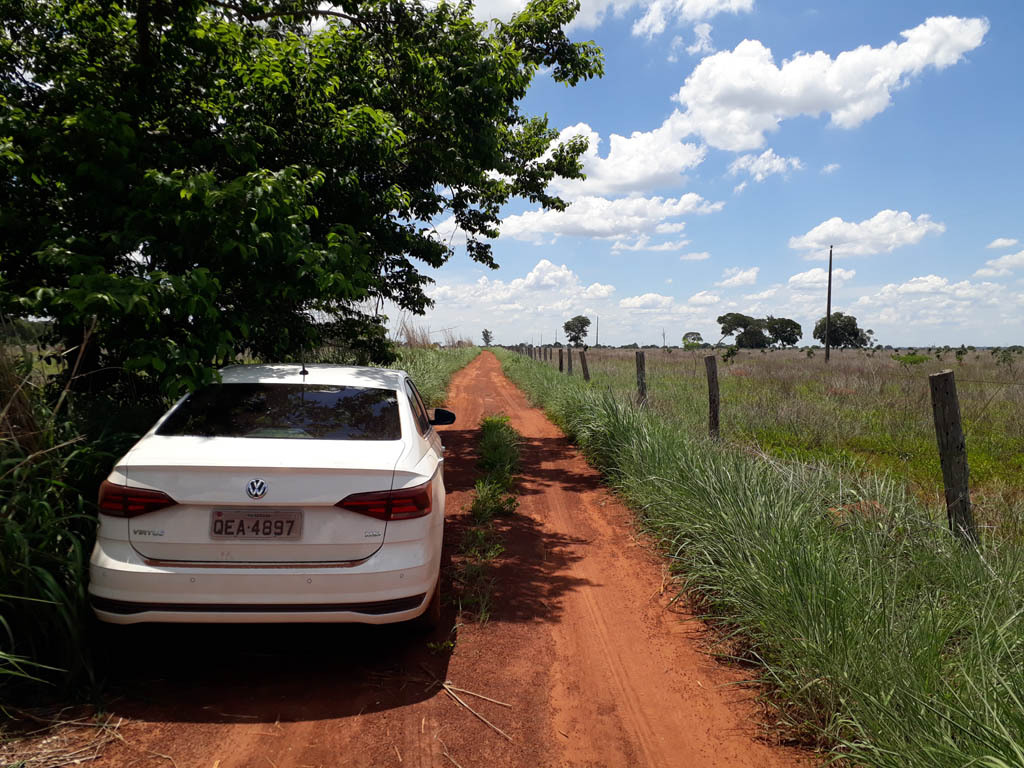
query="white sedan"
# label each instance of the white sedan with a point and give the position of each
(282, 494)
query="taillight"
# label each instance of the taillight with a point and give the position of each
(400, 504)
(122, 501)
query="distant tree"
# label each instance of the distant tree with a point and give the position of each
(750, 331)
(692, 340)
(488, 337)
(753, 337)
(733, 322)
(576, 329)
(783, 331)
(843, 332)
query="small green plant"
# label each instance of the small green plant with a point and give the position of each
(441, 647)
(481, 543)
(911, 358)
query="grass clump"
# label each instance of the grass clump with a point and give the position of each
(46, 531)
(879, 634)
(481, 543)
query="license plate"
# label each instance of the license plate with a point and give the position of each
(256, 524)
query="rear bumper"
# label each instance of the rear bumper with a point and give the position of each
(395, 584)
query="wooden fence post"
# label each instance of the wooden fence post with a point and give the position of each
(561, 363)
(583, 365)
(641, 378)
(952, 455)
(711, 363)
(568, 354)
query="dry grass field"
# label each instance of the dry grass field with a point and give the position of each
(863, 410)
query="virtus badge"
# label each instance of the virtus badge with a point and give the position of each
(257, 488)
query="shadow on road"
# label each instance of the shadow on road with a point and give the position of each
(265, 673)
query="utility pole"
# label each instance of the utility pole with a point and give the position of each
(828, 304)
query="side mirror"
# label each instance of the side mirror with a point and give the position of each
(442, 417)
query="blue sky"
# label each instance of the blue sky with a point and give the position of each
(731, 141)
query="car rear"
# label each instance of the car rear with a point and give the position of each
(272, 498)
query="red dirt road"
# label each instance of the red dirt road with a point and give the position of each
(581, 642)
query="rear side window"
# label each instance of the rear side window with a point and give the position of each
(299, 411)
(418, 412)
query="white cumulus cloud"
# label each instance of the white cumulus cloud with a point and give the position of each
(734, 276)
(703, 42)
(647, 301)
(884, 232)
(696, 256)
(599, 217)
(643, 243)
(641, 162)
(1003, 242)
(760, 167)
(660, 13)
(732, 98)
(830, 168)
(817, 279)
(703, 298)
(1002, 266)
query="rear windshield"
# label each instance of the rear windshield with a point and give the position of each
(287, 411)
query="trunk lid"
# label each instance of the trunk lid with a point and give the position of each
(303, 479)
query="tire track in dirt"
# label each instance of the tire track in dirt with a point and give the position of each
(582, 643)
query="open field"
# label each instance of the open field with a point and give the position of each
(864, 410)
(880, 634)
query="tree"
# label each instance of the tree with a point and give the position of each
(182, 181)
(576, 329)
(750, 331)
(732, 322)
(783, 331)
(488, 337)
(843, 332)
(753, 337)
(692, 340)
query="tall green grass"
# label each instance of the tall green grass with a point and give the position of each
(863, 408)
(879, 634)
(432, 369)
(46, 529)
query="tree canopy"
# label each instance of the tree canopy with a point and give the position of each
(758, 333)
(488, 337)
(576, 329)
(183, 181)
(783, 331)
(843, 332)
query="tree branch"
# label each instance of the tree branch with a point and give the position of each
(278, 14)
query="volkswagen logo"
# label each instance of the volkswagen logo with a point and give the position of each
(257, 488)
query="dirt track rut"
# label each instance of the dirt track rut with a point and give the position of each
(599, 670)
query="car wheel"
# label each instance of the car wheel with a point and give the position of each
(430, 619)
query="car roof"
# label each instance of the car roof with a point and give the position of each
(338, 375)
